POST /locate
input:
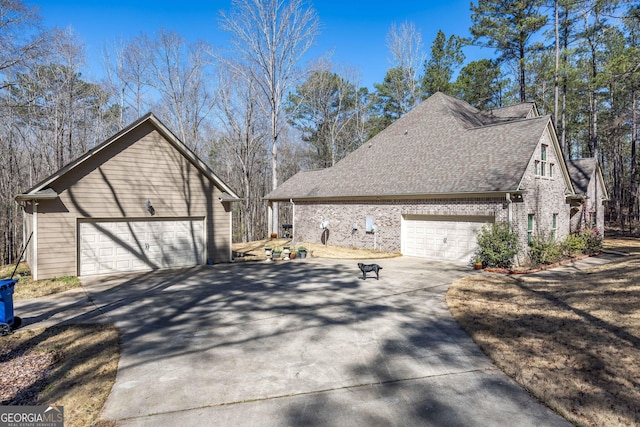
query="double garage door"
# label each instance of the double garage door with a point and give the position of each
(443, 238)
(124, 246)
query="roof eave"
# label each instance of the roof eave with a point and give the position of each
(48, 194)
(412, 196)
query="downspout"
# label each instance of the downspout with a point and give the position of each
(34, 267)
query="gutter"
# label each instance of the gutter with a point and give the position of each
(413, 196)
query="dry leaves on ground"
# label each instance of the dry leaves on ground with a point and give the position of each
(573, 343)
(73, 366)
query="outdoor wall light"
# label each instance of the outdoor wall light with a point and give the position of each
(150, 208)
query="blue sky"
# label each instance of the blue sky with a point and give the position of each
(353, 30)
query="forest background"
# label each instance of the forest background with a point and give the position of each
(257, 113)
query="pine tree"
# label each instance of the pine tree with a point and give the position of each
(508, 27)
(446, 56)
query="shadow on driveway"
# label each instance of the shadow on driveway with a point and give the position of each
(300, 343)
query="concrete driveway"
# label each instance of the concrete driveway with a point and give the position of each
(306, 342)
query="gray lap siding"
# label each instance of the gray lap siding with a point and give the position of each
(386, 215)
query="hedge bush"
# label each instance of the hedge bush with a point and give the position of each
(545, 250)
(497, 245)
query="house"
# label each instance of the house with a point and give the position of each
(426, 184)
(139, 201)
(587, 208)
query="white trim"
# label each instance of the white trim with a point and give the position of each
(230, 234)
(34, 267)
(293, 219)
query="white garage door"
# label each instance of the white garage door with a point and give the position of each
(124, 246)
(446, 238)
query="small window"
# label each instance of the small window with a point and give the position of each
(530, 225)
(554, 226)
(551, 170)
(536, 167)
(543, 159)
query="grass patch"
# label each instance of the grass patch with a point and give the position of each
(73, 366)
(574, 344)
(28, 288)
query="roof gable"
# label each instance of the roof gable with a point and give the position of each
(442, 146)
(43, 190)
(582, 172)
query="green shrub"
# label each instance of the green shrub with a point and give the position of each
(592, 240)
(585, 241)
(545, 250)
(573, 245)
(497, 245)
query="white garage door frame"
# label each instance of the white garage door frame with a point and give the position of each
(450, 238)
(108, 246)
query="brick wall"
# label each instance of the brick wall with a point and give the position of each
(543, 196)
(386, 215)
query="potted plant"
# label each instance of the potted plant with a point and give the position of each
(301, 252)
(276, 252)
(477, 263)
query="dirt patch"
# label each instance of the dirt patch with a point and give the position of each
(73, 366)
(574, 343)
(255, 251)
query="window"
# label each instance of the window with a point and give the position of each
(550, 170)
(554, 226)
(530, 224)
(536, 167)
(543, 159)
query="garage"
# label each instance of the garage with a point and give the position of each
(139, 201)
(107, 247)
(441, 237)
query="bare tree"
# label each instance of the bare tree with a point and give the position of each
(180, 73)
(407, 53)
(127, 73)
(166, 74)
(241, 146)
(21, 39)
(271, 36)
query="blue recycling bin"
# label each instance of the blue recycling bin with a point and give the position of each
(6, 301)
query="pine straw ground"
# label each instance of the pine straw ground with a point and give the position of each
(574, 344)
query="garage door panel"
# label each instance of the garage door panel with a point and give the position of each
(439, 238)
(125, 246)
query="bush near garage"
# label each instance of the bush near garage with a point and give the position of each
(497, 245)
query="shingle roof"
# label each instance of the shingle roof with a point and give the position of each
(580, 172)
(443, 146)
